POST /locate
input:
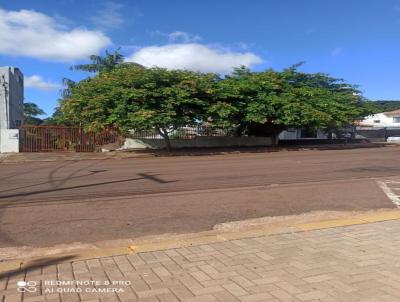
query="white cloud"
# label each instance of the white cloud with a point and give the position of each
(336, 51)
(181, 36)
(176, 37)
(108, 17)
(33, 34)
(193, 56)
(37, 82)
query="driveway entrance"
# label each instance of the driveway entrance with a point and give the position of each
(64, 138)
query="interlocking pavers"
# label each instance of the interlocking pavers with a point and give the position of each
(352, 263)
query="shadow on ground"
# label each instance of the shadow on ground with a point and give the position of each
(35, 264)
(233, 150)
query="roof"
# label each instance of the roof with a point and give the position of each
(392, 113)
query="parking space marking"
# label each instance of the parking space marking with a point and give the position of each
(389, 191)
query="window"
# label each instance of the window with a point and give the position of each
(396, 119)
(377, 121)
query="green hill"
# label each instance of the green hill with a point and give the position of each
(384, 106)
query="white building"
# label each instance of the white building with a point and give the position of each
(300, 133)
(11, 107)
(384, 119)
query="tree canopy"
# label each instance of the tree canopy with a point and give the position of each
(134, 97)
(101, 63)
(385, 106)
(97, 64)
(130, 96)
(265, 103)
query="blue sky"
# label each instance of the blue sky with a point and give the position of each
(357, 40)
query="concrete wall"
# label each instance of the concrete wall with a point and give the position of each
(11, 97)
(9, 140)
(11, 108)
(199, 142)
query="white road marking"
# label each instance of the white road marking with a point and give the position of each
(389, 181)
(389, 193)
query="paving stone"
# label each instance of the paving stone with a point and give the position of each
(235, 290)
(161, 272)
(208, 290)
(168, 298)
(256, 297)
(181, 291)
(200, 276)
(225, 297)
(204, 298)
(313, 295)
(355, 263)
(34, 299)
(153, 292)
(318, 278)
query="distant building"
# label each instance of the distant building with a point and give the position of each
(380, 120)
(11, 97)
(301, 133)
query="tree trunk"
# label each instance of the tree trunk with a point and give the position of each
(274, 137)
(164, 133)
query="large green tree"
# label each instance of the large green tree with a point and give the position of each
(253, 103)
(134, 97)
(265, 103)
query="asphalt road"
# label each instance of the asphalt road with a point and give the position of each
(46, 203)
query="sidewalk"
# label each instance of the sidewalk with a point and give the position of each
(23, 157)
(351, 263)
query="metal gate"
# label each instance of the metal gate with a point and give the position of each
(64, 138)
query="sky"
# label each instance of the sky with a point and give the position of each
(357, 40)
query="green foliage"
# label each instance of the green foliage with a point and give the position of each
(385, 106)
(133, 97)
(130, 96)
(31, 113)
(265, 103)
(58, 118)
(99, 63)
(32, 110)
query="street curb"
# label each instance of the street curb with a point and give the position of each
(262, 231)
(207, 237)
(18, 158)
(357, 219)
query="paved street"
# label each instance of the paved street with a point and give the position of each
(353, 263)
(47, 203)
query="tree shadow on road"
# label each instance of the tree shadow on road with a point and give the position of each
(143, 176)
(239, 150)
(35, 264)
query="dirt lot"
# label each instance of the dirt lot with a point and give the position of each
(46, 203)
